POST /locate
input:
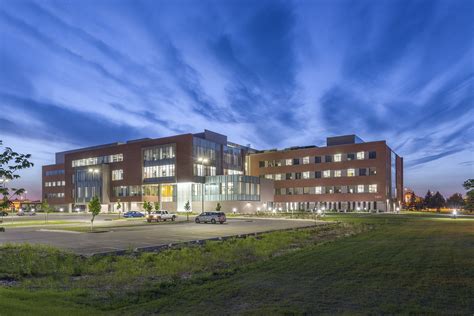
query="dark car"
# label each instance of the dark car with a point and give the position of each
(211, 217)
(133, 214)
(3, 213)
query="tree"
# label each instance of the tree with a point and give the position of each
(94, 208)
(46, 209)
(468, 184)
(419, 202)
(412, 202)
(469, 203)
(218, 207)
(10, 163)
(187, 208)
(156, 206)
(118, 206)
(428, 200)
(455, 201)
(147, 207)
(438, 201)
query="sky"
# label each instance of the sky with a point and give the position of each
(271, 74)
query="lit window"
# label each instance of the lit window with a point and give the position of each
(337, 173)
(351, 172)
(372, 188)
(319, 190)
(117, 175)
(326, 173)
(306, 175)
(269, 176)
(305, 160)
(360, 188)
(337, 157)
(289, 162)
(278, 176)
(360, 155)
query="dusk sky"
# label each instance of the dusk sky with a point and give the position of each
(271, 74)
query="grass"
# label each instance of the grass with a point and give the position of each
(407, 264)
(37, 223)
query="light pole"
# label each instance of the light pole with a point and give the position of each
(202, 162)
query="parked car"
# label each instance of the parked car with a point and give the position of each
(3, 213)
(27, 213)
(133, 214)
(160, 216)
(211, 217)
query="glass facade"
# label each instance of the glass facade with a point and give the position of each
(54, 172)
(228, 188)
(361, 188)
(164, 171)
(157, 153)
(97, 160)
(393, 175)
(87, 184)
(211, 152)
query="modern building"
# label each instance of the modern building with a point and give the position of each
(346, 175)
(206, 169)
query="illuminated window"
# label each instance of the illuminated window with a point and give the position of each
(117, 175)
(326, 173)
(351, 172)
(319, 190)
(360, 155)
(372, 188)
(337, 157)
(288, 162)
(163, 171)
(337, 173)
(305, 160)
(306, 175)
(278, 176)
(360, 188)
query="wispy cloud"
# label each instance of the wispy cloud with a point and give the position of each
(269, 73)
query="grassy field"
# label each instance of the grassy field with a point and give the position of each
(364, 264)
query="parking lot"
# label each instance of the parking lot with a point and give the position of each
(123, 238)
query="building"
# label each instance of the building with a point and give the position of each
(346, 175)
(206, 169)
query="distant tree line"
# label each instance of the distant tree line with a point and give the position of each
(437, 200)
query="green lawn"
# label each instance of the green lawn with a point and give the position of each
(407, 264)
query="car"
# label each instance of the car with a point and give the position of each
(27, 213)
(3, 213)
(133, 214)
(157, 216)
(211, 217)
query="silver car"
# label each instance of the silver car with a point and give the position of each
(211, 217)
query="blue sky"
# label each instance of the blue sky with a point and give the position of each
(266, 73)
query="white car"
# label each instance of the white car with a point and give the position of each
(160, 216)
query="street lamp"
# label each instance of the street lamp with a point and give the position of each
(202, 161)
(455, 213)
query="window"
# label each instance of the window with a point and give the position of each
(305, 160)
(351, 172)
(278, 176)
(54, 172)
(337, 189)
(372, 171)
(288, 162)
(306, 175)
(261, 164)
(163, 171)
(117, 175)
(372, 154)
(319, 190)
(337, 173)
(337, 157)
(269, 176)
(326, 173)
(317, 159)
(351, 156)
(372, 188)
(159, 152)
(317, 174)
(350, 189)
(289, 176)
(360, 155)
(297, 175)
(306, 190)
(362, 172)
(360, 188)
(328, 158)
(296, 161)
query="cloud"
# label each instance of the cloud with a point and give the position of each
(270, 73)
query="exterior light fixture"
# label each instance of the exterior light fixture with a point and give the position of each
(61, 209)
(258, 209)
(455, 213)
(358, 208)
(280, 209)
(319, 211)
